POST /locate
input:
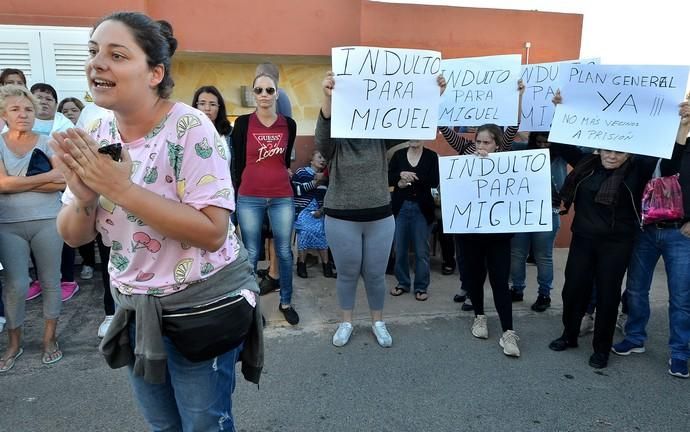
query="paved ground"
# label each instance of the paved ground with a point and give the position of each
(436, 377)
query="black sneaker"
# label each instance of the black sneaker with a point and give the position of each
(290, 314)
(328, 270)
(447, 269)
(262, 273)
(543, 302)
(302, 270)
(599, 360)
(562, 344)
(467, 305)
(268, 285)
(516, 296)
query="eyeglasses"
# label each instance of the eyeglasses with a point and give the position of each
(44, 98)
(269, 90)
(206, 104)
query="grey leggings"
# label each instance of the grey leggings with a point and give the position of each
(17, 240)
(360, 248)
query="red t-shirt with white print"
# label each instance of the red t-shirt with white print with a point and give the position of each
(265, 173)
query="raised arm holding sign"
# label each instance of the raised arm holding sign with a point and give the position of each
(480, 90)
(478, 195)
(465, 146)
(359, 222)
(385, 93)
(542, 80)
(624, 108)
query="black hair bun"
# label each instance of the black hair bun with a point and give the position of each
(167, 32)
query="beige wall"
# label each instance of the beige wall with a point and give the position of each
(301, 82)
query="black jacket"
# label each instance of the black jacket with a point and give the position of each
(622, 218)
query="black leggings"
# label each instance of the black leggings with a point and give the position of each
(482, 254)
(88, 254)
(104, 255)
(601, 262)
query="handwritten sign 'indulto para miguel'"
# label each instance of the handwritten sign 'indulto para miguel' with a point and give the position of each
(542, 81)
(480, 90)
(385, 93)
(631, 109)
(502, 193)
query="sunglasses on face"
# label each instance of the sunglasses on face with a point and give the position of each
(269, 90)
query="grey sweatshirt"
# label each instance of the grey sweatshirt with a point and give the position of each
(357, 170)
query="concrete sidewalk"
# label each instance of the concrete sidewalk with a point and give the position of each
(316, 302)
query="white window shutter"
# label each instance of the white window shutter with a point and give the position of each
(64, 54)
(21, 49)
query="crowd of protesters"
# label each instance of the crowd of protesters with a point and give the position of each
(164, 192)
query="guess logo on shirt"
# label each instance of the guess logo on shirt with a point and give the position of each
(269, 145)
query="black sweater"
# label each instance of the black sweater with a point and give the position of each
(420, 190)
(622, 219)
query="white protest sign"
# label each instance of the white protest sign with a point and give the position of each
(480, 90)
(385, 93)
(632, 109)
(541, 80)
(502, 193)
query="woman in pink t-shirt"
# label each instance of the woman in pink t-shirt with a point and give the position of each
(163, 206)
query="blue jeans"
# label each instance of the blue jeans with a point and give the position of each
(281, 214)
(542, 246)
(411, 225)
(195, 396)
(675, 248)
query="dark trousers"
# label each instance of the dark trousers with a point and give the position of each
(447, 249)
(482, 254)
(88, 254)
(67, 263)
(104, 255)
(459, 259)
(601, 262)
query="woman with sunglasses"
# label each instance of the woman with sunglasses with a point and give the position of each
(263, 142)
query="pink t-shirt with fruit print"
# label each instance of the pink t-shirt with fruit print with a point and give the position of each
(182, 159)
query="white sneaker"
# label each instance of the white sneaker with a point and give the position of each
(587, 324)
(381, 332)
(86, 272)
(509, 343)
(105, 325)
(342, 335)
(479, 328)
(2, 323)
(620, 322)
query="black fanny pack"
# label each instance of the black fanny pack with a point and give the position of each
(203, 332)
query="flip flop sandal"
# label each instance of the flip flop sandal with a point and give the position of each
(52, 356)
(9, 362)
(397, 291)
(421, 296)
